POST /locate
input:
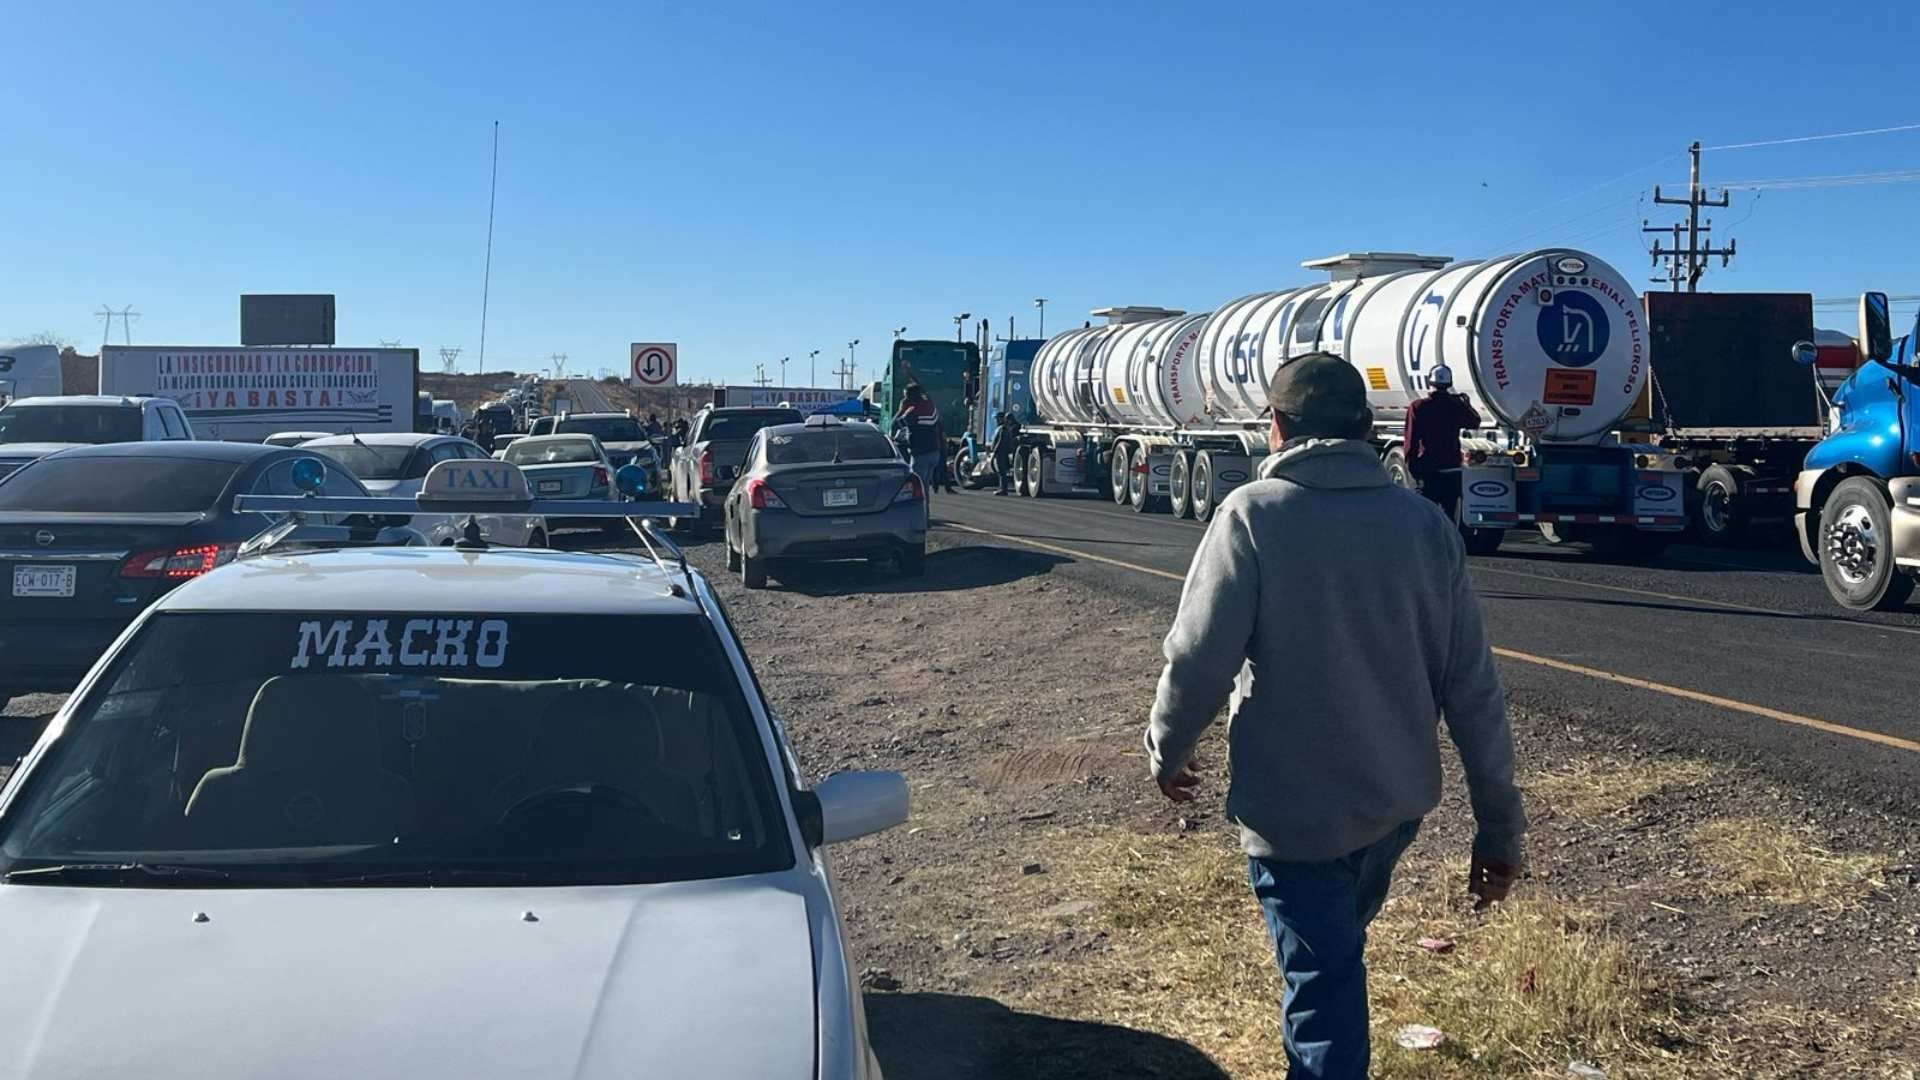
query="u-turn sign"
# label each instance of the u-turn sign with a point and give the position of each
(654, 363)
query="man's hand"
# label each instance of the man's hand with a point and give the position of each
(1488, 879)
(1182, 786)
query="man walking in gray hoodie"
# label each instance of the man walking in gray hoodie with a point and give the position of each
(1335, 610)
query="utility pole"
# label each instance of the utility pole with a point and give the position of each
(846, 373)
(105, 315)
(450, 358)
(760, 375)
(899, 332)
(813, 376)
(783, 370)
(1041, 303)
(1688, 263)
(559, 360)
(959, 325)
(126, 315)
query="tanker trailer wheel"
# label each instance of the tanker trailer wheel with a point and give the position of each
(1120, 473)
(1139, 483)
(1856, 552)
(1200, 486)
(1036, 473)
(1397, 471)
(1180, 499)
(1020, 472)
(1718, 518)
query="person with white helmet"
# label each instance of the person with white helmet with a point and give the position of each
(1432, 438)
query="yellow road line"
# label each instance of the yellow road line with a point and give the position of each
(1712, 699)
(1169, 575)
(1681, 692)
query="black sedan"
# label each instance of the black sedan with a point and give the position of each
(92, 535)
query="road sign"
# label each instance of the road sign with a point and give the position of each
(654, 363)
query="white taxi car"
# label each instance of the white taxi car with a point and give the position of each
(470, 812)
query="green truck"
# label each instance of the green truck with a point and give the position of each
(948, 370)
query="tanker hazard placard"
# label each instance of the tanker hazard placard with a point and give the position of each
(1566, 386)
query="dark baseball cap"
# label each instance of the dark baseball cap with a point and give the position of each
(1319, 388)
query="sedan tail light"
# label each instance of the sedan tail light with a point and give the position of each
(761, 496)
(599, 476)
(912, 490)
(706, 466)
(178, 563)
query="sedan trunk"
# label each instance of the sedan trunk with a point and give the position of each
(847, 488)
(66, 567)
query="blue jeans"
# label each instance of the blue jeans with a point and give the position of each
(1317, 914)
(926, 466)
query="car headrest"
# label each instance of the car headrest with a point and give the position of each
(301, 721)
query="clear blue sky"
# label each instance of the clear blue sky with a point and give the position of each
(755, 181)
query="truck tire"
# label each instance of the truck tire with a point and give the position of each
(1138, 483)
(733, 556)
(1120, 471)
(961, 469)
(1395, 461)
(1855, 542)
(1180, 500)
(1020, 472)
(1717, 517)
(1200, 483)
(753, 572)
(1036, 473)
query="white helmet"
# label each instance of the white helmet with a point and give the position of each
(1441, 376)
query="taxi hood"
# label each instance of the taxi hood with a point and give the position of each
(683, 979)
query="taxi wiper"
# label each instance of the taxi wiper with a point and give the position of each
(124, 871)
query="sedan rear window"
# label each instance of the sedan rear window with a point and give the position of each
(94, 424)
(604, 428)
(556, 452)
(428, 748)
(370, 462)
(744, 426)
(829, 444)
(134, 485)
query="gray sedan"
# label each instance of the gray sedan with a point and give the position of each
(824, 490)
(565, 467)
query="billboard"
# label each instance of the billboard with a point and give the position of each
(804, 398)
(286, 319)
(244, 394)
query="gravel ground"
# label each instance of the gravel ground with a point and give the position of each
(1013, 698)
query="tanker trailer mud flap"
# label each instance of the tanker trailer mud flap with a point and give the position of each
(1229, 471)
(1659, 500)
(1065, 466)
(1487, 498)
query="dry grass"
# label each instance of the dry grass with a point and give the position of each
(1768, 861)
(1587, 788)
(1904, 1003)
(1525, 990)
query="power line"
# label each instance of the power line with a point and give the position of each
(1816, 138)
(1892, 176)
(486, 282)
(1588, 190)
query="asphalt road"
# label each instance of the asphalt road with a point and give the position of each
(587, 397)
(1734, 653)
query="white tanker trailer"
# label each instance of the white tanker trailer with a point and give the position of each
(1160, 407)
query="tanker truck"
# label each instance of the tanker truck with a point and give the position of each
(1160, 408)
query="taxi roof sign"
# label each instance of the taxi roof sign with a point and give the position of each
(476, 480)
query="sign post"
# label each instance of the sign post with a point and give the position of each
(654, 363)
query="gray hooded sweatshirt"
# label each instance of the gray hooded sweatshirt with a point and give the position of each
(1336, 610)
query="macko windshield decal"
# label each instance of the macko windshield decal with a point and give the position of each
(404, 643)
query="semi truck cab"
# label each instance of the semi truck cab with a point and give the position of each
(1857, 499)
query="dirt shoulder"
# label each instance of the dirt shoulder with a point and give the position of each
(1047, 914)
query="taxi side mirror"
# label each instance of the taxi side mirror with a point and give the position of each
(849, 805)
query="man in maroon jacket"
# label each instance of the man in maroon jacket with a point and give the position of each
(1433, 438)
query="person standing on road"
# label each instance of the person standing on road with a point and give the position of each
(1333, 608)
(1006, 442)
(1432, 438)
(652, 428)
(920, 422)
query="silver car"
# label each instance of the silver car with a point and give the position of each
(824, 489)
(565, 467)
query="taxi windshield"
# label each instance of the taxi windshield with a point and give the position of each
(317, 749)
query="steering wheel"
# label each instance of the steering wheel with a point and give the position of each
(592, 795)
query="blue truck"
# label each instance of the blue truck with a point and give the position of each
(1857, 497)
